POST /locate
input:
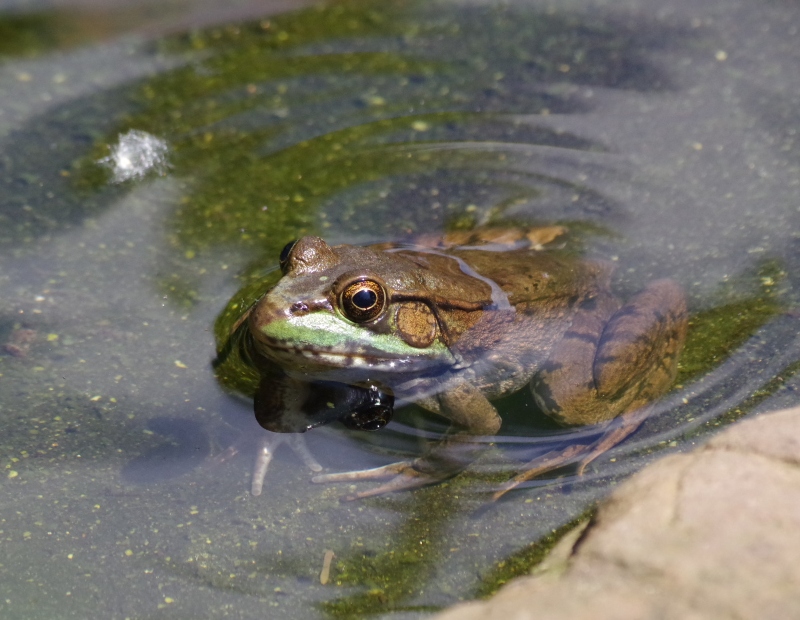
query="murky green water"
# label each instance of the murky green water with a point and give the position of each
(666, 134)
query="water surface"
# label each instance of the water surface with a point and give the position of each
(665, 134)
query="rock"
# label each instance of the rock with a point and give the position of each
(710, 534)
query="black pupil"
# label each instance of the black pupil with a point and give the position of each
(364, 299)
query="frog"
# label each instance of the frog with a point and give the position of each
(452, 328)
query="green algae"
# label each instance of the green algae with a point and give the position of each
(738, 309)
(29, 34)
(525, 560)
(237, 117)
(387, 579)
(324, 117)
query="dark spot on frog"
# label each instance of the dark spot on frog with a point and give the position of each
(551, 366)
(627, 311)
(579, 336)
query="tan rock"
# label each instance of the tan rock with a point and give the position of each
(710, 534)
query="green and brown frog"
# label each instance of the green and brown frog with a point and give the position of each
(452, 328)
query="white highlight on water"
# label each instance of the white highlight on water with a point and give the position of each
(136, 154)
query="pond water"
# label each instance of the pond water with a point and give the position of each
(664, 133)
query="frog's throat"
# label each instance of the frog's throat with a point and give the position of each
(333, 342)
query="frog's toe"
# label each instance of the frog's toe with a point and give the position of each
(266, 450)
(407, 481)
(298, 444)
(376, 473)
(541, 465)
(403, 476)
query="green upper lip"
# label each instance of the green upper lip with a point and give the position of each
(323, 334)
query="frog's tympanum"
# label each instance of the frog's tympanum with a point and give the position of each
(347, 330)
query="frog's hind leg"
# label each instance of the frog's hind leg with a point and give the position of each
(612, 363)
(583, 454)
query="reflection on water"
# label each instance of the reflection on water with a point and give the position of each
(362, 122)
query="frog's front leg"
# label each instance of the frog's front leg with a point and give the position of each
(472, 415)
(612, 363)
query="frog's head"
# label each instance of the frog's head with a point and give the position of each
(343, 310)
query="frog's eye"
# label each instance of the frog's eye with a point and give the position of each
(363, 300)
(284, 257)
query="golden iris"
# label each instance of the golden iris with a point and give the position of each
(363, 300)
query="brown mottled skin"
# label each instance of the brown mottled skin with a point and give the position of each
(471, 325)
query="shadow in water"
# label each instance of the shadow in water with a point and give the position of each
(186, 446)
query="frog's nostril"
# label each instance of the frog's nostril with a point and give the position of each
(298, 308)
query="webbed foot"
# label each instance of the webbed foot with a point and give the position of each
(583, 454)
(403, 476)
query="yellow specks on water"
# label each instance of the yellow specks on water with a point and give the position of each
(180, 364)
(128, 552)
(70, 556)
(13, 474)
(94, 399)
(189, 254)
(24, 77)
(52, 337)
(169, 600)
(721, 55)
(564, 68)
(26, 535)
(375, 100)
(420, 126)
(697, 146)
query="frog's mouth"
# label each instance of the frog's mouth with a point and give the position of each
(323, 340)
(292, 355)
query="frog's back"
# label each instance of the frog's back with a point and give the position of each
(545, 290)
(535, 281)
